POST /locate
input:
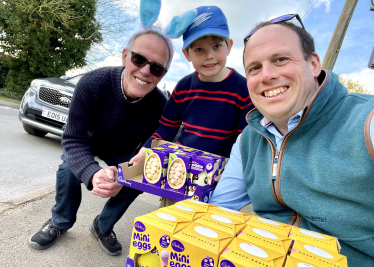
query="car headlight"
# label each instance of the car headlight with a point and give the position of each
(34, 86)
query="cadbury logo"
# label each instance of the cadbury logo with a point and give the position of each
(139, 226)
(177, 246)
(126, 182)
(226, 263)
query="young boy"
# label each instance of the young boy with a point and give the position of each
(213, 101)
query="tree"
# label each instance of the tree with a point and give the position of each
(353, 86)
(116, 19)
(45, 38)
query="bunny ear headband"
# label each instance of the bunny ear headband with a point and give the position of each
(149, 12)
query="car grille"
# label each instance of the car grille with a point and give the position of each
(54, 97)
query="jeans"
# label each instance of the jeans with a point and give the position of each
(69, 196)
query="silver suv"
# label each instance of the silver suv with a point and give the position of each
(45, 105)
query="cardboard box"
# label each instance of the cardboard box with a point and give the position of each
(269, 225)
(232, 214)
(204, 169)
(325, 242)
(133, 177)
(222, 223)
(195, 204)
(156, 161)
(242, 253)
(309, 255)
(184, 211)
(183, 161)
(153, 230)
(197, 245)
(265, 238)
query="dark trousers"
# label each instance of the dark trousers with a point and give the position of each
(69, 196)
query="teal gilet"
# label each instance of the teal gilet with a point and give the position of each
(324, 175)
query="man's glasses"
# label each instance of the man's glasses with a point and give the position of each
(140, 61)
(276, 20)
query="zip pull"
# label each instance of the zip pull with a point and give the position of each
(275, 165)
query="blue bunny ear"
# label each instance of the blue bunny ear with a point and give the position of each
(149, 12)
(179, 24)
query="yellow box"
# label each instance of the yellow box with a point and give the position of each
(198, 205)
(269, 225)
(233, 214)
(197, 245)
(264, 238)
(184, 211)
(154, 230)
(242, 253)
(222, 223)
(309, 255)
(319, 240)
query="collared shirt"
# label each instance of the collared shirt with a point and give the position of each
(231, 191)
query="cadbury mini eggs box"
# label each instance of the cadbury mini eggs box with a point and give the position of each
(232, 214)
(270, 225)
(266, 238)
(308, 255)
(222, 223)
(197, 246)
(153, 231)
(325, 242)
(155, 166)
(243, 253)
(198, 205)
(183, 211)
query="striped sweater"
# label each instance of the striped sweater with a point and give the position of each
(213, 114)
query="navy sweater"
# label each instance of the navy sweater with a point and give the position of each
(213, 114)
(103, 123)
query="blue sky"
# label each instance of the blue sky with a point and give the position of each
(242, 15)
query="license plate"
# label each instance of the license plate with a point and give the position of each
(54, 116)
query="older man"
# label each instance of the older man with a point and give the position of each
(307, 156)
(114, 110)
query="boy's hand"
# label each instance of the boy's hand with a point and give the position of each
(217, 178)
(104, 182)
(139, 158)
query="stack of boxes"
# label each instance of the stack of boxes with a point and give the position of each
(193, 233)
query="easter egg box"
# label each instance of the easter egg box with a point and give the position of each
(136, 177)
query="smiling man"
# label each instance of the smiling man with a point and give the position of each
(307, 156)
(114, 110)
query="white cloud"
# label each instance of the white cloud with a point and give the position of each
(327, 3)
(364, 76)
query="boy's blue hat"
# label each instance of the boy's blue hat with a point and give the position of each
(209, 20)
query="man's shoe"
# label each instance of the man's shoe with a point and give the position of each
(108, 243)
(45, 237)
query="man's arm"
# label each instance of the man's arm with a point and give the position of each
(231, 191)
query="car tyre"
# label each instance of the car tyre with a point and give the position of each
(33, 131)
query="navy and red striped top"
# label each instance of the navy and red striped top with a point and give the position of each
(213, 114)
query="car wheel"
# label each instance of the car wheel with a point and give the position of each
(33, 131)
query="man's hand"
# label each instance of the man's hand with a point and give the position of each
(139, 158)
(105, 184)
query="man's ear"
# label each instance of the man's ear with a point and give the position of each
(231, 42)
(124, 55)
(185, 52)
(315, 64)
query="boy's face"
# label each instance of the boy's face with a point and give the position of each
(208, 56)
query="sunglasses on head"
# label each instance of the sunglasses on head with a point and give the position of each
(276, 20)
(140, 61)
